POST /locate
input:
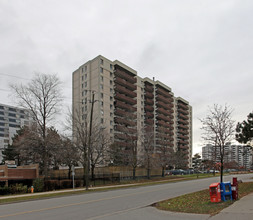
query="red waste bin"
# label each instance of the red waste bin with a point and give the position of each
(214, 190)
(234, 188)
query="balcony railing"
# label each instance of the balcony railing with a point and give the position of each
(182, 111)
(162, 104)
(148, 108)
(184, 106)
(163, 92)
(125, 106)
(125, 83)
(164, 99)
(149, 95)
(124, 121)
(122, 74)
(149, 88)
(149, 101)
(126, 99)
(163, 111)
(162, 117)
(126, 91)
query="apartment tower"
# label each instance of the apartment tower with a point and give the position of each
(126, 105)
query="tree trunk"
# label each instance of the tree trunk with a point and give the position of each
(162, 171)
(134, 170)
(92, 171)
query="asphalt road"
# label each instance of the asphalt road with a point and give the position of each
(132, 203)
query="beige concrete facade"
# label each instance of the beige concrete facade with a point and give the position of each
(112, 91)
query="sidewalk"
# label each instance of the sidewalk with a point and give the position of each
(241, 209)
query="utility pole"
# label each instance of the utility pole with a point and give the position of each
(87, 176)
(154, 116)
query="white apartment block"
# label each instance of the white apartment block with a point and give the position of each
(11, 120)
(240, 154)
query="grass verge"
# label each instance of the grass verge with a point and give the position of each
(124, 184)
(199, 202)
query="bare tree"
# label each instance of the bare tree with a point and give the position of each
(148, 147)
(218, 128)
(164, 149)
(69, 153)
(100, 147)
(42, 96)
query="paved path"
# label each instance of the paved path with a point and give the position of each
(131, 203)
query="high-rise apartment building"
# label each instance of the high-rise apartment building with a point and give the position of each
(126, 105)
(241, 154)
(11, 120)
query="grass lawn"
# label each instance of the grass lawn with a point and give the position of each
(199, 202)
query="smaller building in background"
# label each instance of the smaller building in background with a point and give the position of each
(241, 154)
(11, 120)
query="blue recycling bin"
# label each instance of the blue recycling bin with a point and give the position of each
(226, 191)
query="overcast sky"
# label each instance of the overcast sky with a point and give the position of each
(202, 49)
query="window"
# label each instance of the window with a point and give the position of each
(111, 122)
(82, 85)
(111, 66)
(82, 78)
(2, 118)
(85, 101)
(85, 84)
(111, 98)
(110, 106)
(102, 120)
(101, 70)
(101, 78)
(102, 112)
(101, 87)
(111, 91)
(102, 104)
(1, 124)
(101, 61)
(85, 76)
(12, 126)
(110, 82)
(102, 95)
(12, 109)
(22, 111)
(85, 68)
(82, 70)
(1, 107)
(111, 130)
(111, 114)
(111, 75)
(12, 120)
(1, 113)
(12, 114)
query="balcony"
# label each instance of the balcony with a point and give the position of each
(149, 95)
(125, 83)
(184, 132)
(163, 124)
(183, 137)
(124, 75)
(123, 121)
(149, 115)
(127, 107)
(182, 126)
(149, 101)
(125, 129)
(164, 99)
(163, 111)
(163, 92)
(183, 122)
(126, 99)
(120, 112)
(163, 105)
(183, 142)
(183, 106)
(185, 117)
(149, 121)
(149, 88)
(148, 108)
(162, 117)
(183, 111)
(124, 90)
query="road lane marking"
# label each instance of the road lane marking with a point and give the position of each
(75, 204)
